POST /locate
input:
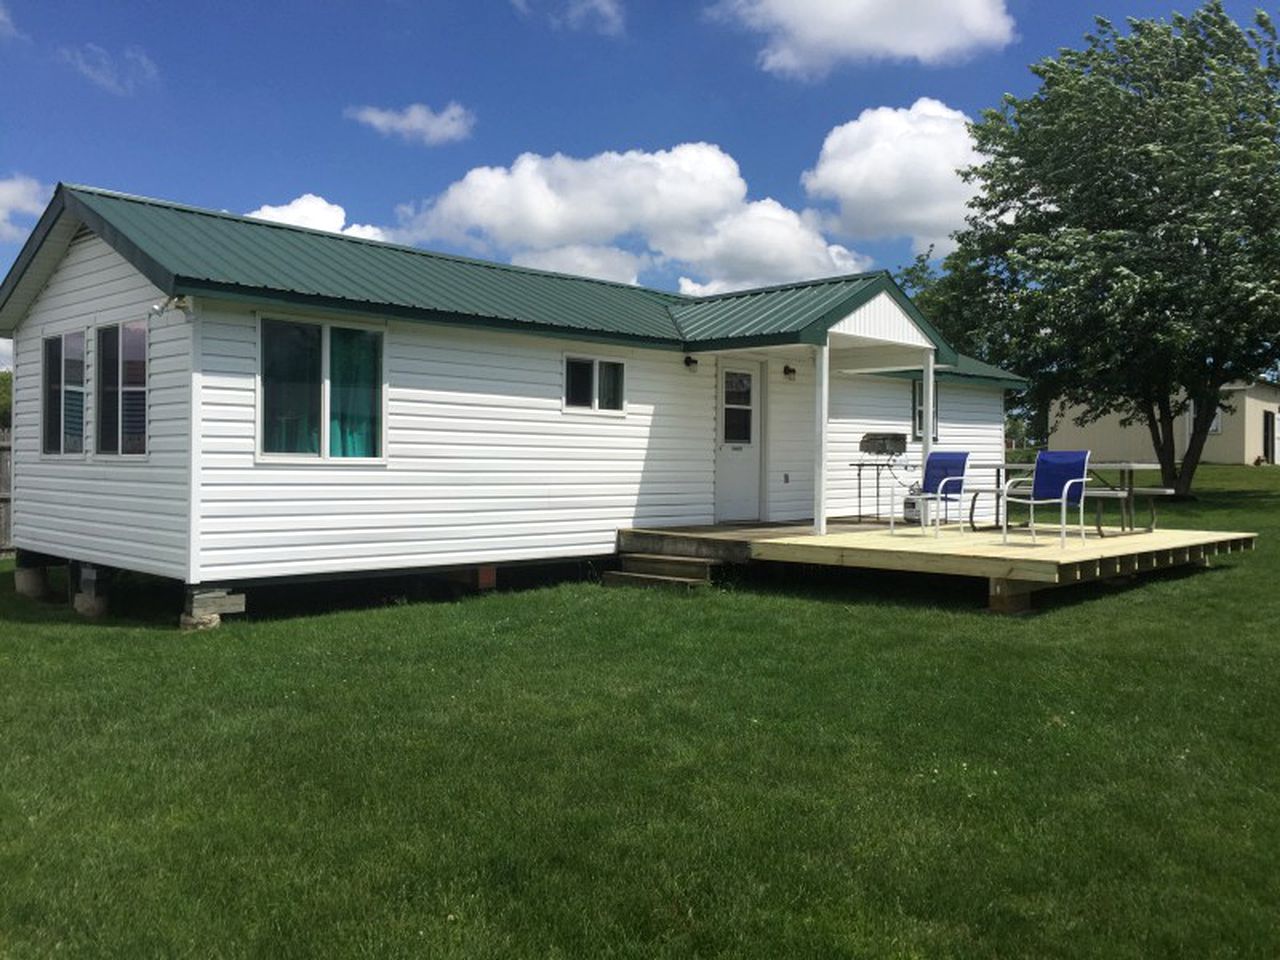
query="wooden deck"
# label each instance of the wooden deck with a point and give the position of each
(1014, 570)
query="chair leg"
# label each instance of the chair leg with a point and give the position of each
(1004, 522)
(1062, 526)
(1083, 537)
(893, 507)
(1033, 520)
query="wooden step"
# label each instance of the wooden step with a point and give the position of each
(621, 578)
(673, 544)
(664, 565)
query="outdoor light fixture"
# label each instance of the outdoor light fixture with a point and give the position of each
(789, 371)
(691, 363)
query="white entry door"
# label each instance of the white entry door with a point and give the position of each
(738, 443)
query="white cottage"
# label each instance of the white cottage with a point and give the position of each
(225, 401)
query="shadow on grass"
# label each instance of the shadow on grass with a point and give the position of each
(917, 591)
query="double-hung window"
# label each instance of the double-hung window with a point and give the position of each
(322, 390)
(63, 414)
(592, 384)
(120, 366)
(917, 410)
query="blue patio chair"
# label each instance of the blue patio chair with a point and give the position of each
(942, 484)
(1058, 479)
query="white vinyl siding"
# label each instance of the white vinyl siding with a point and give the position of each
(484, 464)
(969, 418)
(124, 512)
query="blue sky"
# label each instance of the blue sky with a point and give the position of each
(701, 145)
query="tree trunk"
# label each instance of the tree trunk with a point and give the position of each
(1206, 409)
(1160, 422)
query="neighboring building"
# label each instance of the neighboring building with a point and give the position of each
(1246, 434)
(217, 399)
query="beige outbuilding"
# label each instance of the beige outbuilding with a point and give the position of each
(1247, 433)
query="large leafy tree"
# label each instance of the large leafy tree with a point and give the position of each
(1124, 244)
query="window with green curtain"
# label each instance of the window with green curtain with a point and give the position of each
(355, 392)
(291, 387)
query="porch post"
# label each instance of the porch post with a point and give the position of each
(926, 436)
(926, 397)
(821, 392)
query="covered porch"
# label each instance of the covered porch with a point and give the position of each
(793, 418)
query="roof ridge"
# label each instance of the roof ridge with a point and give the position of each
(668, 295)
(791, 285)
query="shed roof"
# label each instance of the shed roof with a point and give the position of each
(191, 251)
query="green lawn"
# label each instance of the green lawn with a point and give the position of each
(814, 766)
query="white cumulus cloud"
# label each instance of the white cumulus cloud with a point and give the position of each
(685, 207)
(892, 173)
(122, 75)
(317, 213)
(8, 29)
(418, 122)
(603, 16)
(584, 260)
(20, 196)
(806, 38)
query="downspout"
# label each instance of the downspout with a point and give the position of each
(821, 394)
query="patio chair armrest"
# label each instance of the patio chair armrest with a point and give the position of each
(1010, 484)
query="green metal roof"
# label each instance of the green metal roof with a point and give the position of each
(187, 250)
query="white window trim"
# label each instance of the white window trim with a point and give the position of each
(595, 360)
(323, 458)
(120, 456)
(1215, 425)
(917, 411)
(62, 400)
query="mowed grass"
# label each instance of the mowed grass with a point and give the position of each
(793, 765)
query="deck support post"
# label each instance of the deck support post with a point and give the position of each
(821, 394)
(1010, 596)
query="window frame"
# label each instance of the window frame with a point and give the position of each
(324, 458)
(1215, 425)
(61, 453)
(118, 455)
(917, 411)
(595, 410)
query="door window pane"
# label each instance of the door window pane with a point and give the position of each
(355, 392)
(291, 377)
(737, 424)
(610, 385)
(52, 440)
(737, 388)
(578, 386)
(107, 375)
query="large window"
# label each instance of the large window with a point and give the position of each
(591, 384)
(917, 410)
(121, 378)
(321, 390)
(63, 414)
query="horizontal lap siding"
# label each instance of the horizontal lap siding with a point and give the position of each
(969, 418)
(790, 435)
(127, 513)
(483, 464)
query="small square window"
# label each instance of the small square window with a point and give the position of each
(610, 394)
(579, 387)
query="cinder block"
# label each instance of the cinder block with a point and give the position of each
(31, 582)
